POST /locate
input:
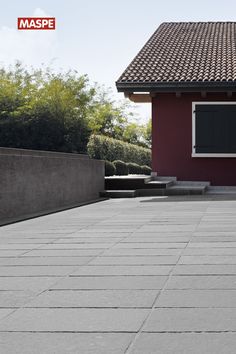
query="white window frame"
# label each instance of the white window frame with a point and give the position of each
(194, 154)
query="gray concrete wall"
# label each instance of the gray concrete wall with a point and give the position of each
(37, 182)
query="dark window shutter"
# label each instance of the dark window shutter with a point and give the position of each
(215, 129)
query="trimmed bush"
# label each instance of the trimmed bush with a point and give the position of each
(146, 170)
(121, 168)
(110, 168)
(103, 148)
(134, 168)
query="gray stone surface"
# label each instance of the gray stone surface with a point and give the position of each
(208, 259)
(124, 277)
(64, 343)
(34, 284)
(142, 252)
(185, 343)
(4, 313)
(95, 298)
(132, 260)
(28, 271)
(112, 282)
(197, 298)
(44, 261)
(101, 270)
(74, 320)
(206, 269)
(191, 320)
(202, 282)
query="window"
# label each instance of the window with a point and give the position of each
(214, 129)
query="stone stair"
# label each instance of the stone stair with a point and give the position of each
(139, 186)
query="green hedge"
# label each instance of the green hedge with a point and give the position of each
(104, 148)
(121, 168)
(146, 170)
(110, 168)
(134, 168)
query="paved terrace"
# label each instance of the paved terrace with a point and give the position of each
(140, 276)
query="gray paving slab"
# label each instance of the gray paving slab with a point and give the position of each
(191, 320)
(166, 228)
(152, 239)
(44, 261)
(88, 240)
(18, 246)
(185, 343)
(150, 245)
(142, 252)
(207, 269)
(74, 320)
(202, 282)
(17, 298)
(212, 237)
(94, 299)
(132, 260)
(199, 259)
(217, 251)
(37, 242)
(28, 271)
(34, 284)
(197, 298)
(101, 270)
(214, 245)
(85, 234)
(76, 246)
(11, 253)
(64, 343)
(63, 253)
(111, 282)
(5, 312)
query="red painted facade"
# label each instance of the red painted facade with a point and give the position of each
(172, 141)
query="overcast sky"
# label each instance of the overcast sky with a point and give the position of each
(96, 37)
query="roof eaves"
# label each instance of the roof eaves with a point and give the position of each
(175, 86)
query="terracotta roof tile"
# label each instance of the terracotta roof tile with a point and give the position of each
(185, 52)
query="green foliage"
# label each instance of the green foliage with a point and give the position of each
(121, 168)
(146, 170)
(110, 168)
(106, 119)
(105, 148)
(134, 168)
(116, 120)
(147, 133)
(43, 110)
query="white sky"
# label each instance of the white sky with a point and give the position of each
(96, 37)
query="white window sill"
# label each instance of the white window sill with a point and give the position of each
(214, 155)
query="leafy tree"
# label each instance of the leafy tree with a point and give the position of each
(44, 110)
(147, 133)
(40, 109)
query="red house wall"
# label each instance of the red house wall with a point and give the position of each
(172, 141)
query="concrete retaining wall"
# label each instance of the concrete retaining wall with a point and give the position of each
(37, 182)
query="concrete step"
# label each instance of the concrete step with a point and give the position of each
(118, 193)
(186, 189)
(221, 190)
(159, 184)
(173, 190)
(129, 182)
(192, 183)
(165, 178)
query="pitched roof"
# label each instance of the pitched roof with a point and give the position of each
(185, 54)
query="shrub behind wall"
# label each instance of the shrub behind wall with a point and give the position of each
(104, 148)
